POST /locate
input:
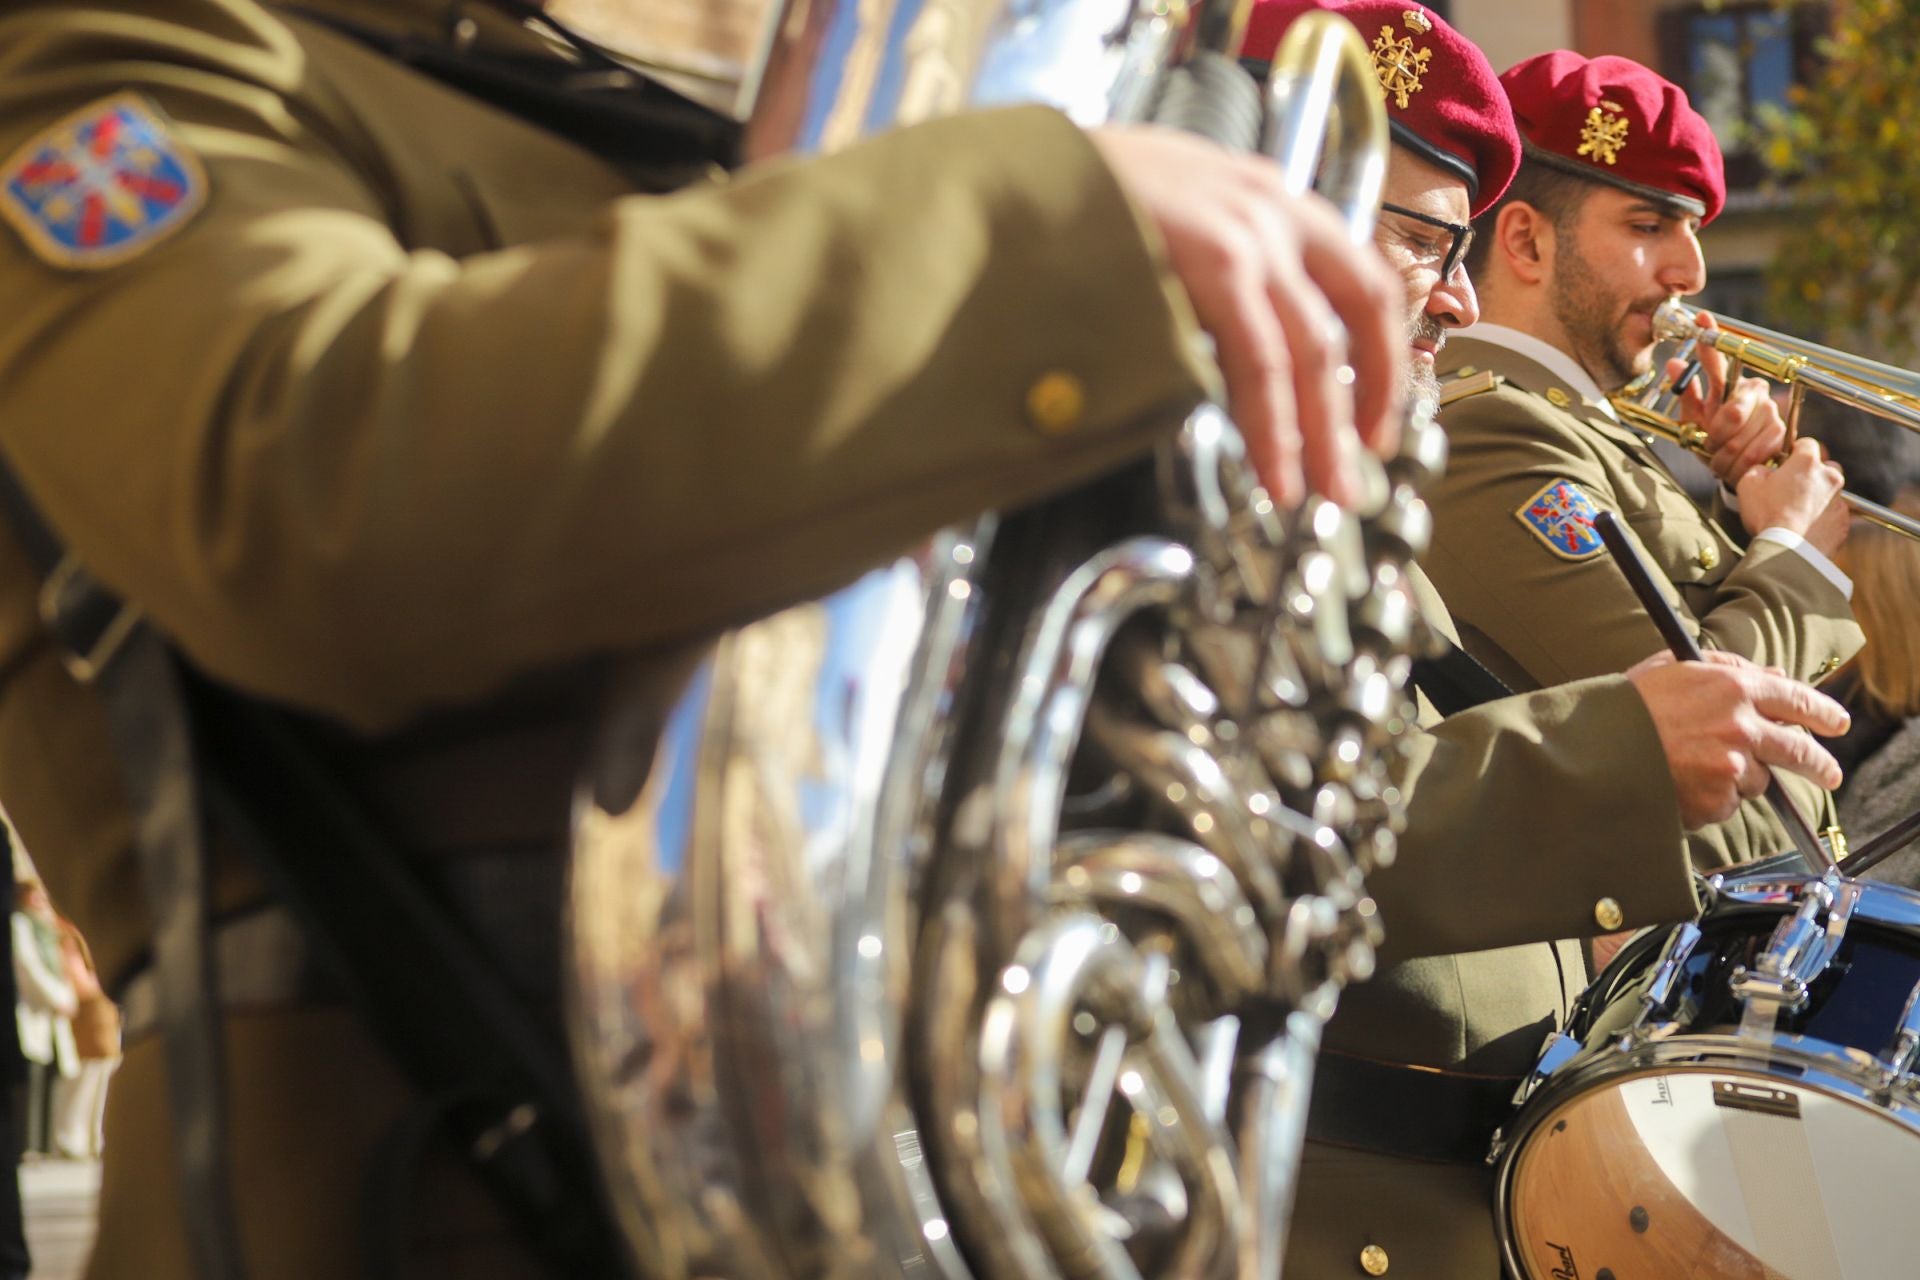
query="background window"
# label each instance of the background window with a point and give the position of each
(1734, 60)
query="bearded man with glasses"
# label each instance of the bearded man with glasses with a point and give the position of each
(1423, 241)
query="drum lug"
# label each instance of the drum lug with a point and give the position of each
(1801, 949)
(1780, 992)
(1903, 1054)
(1560, 1049)
(1660, 988)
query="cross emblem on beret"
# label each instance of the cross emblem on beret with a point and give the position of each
(1399, 65)
(1605, 135)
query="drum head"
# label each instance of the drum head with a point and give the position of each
(1715, 1173)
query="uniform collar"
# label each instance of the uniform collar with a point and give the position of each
(1468, 350)
(1549, 357)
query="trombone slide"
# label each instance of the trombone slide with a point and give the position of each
(1651, 403)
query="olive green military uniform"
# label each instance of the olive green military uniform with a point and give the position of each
(422, 404)
(1537, 615)
(1517, 841)
(423, 400)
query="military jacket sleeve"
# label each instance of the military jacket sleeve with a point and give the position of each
(420, 397)
(1527, 811)
(1728, 519)
(1541, 609)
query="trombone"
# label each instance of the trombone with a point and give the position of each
(1650, 403)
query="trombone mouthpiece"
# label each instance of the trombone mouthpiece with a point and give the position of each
(1676, 320)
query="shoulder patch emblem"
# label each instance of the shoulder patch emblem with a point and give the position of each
(102, 186)
(1561, 516)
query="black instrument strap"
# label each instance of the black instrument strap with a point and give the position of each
(1455, 681)
(137, 679)
(601, 104)
(433, 1001)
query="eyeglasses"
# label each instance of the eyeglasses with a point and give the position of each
(1462, 236)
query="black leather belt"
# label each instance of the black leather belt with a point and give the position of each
(1414, 1112)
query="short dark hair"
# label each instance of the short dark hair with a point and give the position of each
(1557, 194)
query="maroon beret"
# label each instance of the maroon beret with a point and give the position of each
(1443, 101)
(1613, 120)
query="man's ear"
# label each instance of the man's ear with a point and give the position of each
(1523, 239)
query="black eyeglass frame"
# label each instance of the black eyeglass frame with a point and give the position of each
(1462, 235)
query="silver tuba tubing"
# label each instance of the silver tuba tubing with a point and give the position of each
(1325, 121)
(980, 918)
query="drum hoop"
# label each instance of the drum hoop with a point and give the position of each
(1881, 905)
(1688, 1054)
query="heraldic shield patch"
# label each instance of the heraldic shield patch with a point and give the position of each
(102, 186)
(1561, 515)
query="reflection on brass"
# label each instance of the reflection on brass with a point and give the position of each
(710, 36)
(945, 40)
(711, 49)
(859, 73)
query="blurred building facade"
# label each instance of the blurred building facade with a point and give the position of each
(1735, 59)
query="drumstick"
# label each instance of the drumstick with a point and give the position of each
(1640, 577)
(1883, 846)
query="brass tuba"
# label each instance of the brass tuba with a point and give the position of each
(981, 918)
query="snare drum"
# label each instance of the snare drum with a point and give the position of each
(1734, 1097)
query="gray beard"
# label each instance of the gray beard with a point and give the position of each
(1423, 380)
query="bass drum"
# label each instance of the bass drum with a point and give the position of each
(1735, 1097)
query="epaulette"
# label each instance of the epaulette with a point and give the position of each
(1469, 382)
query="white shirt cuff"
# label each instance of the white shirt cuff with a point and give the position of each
(1814, 556)
(1731, 499)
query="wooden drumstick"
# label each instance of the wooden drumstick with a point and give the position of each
(1640, 577)
(1883, 846)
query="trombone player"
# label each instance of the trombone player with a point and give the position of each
(1597, 230)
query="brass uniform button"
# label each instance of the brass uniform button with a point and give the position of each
(1465, 371)
(1827, 668)
(1373, 1260)
(1558, 398)
(1709, 556)
(1608, 915)
(1056, 403)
